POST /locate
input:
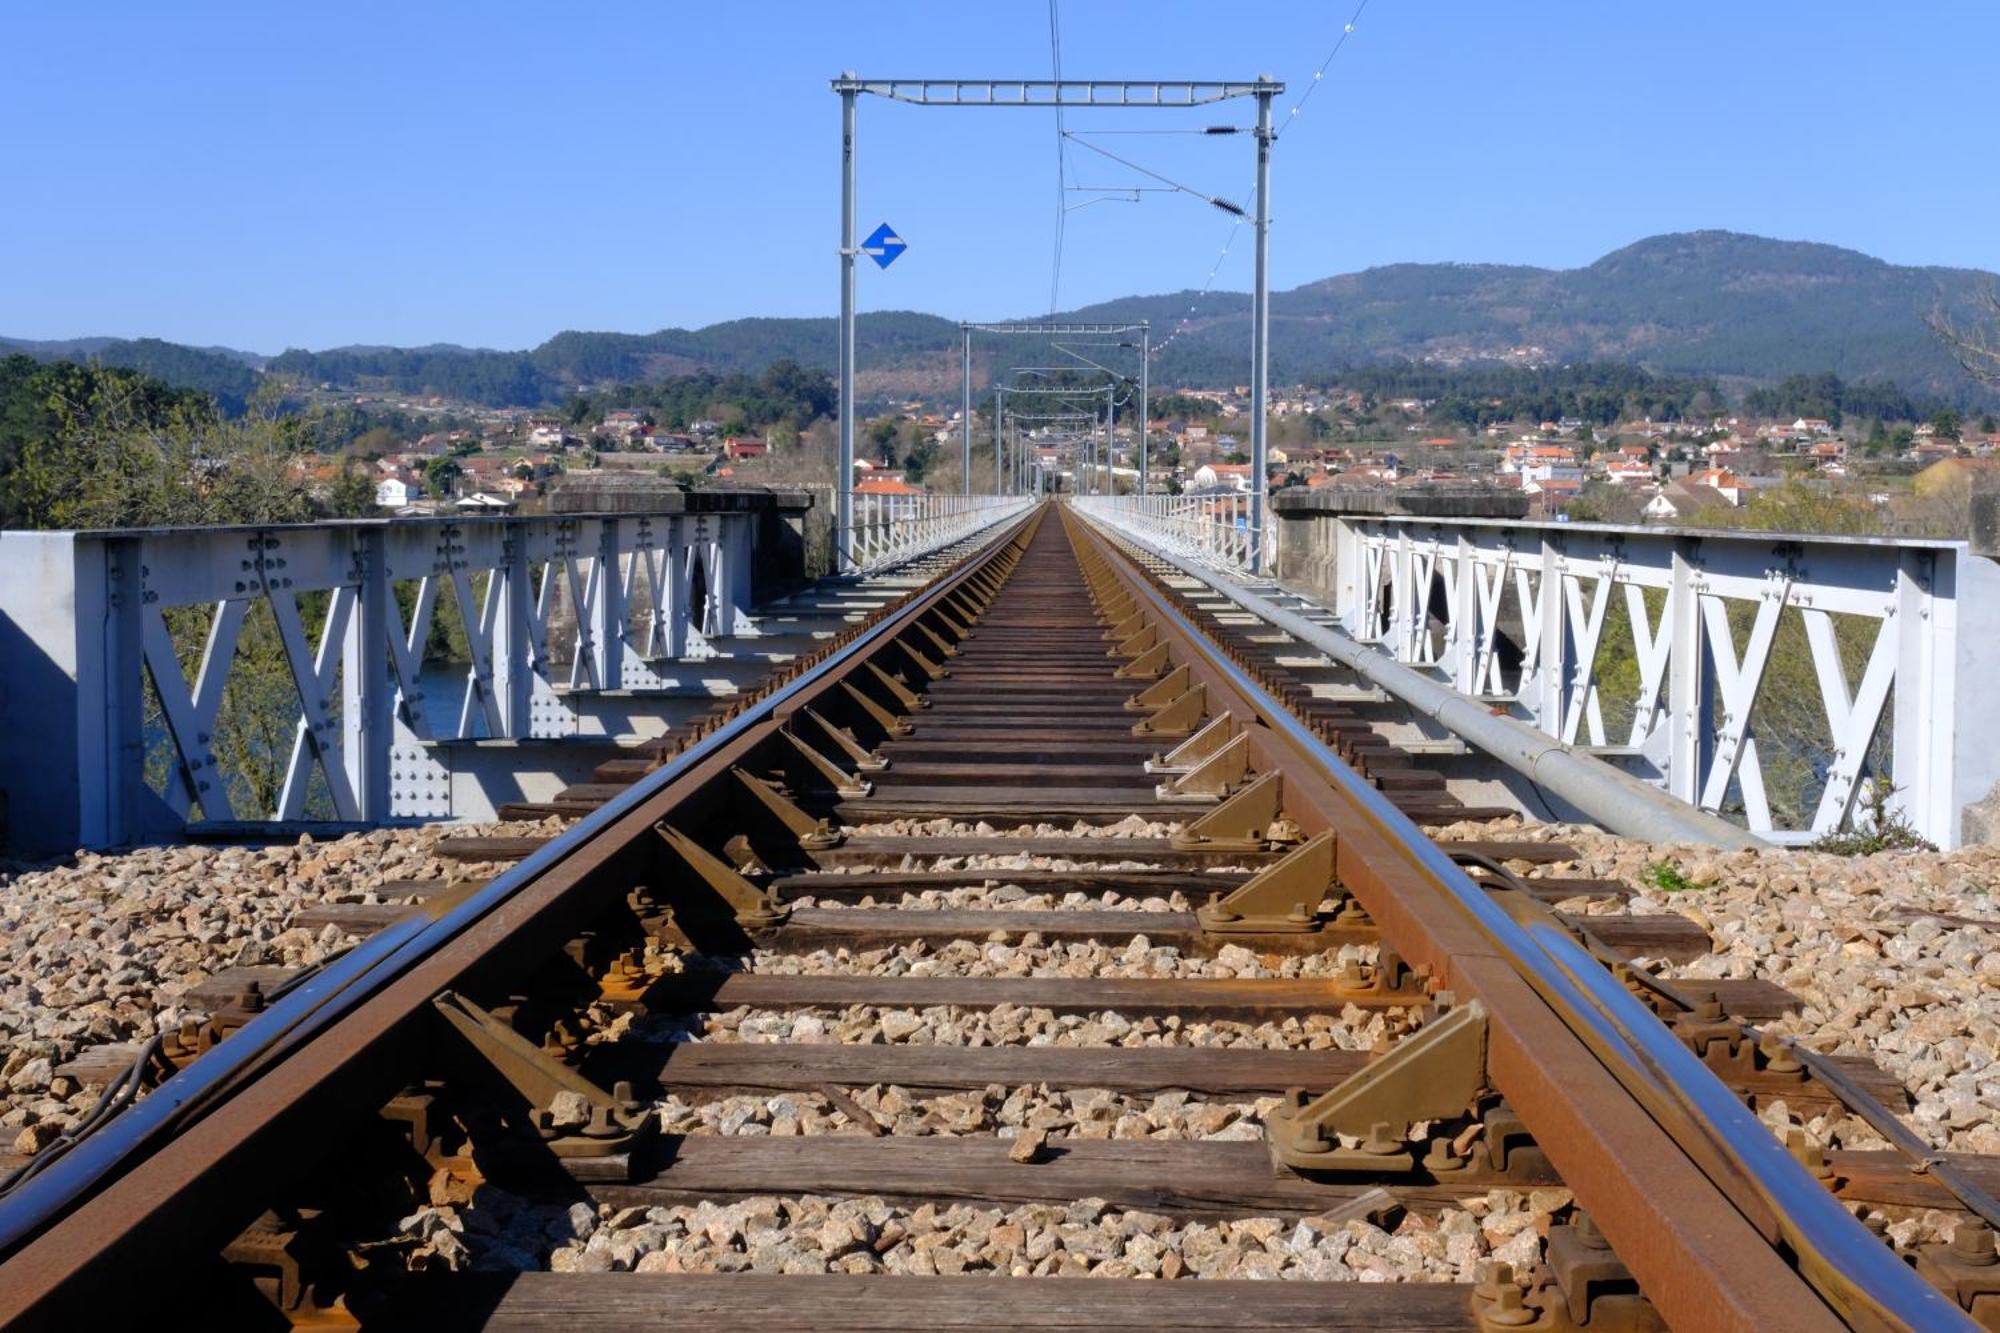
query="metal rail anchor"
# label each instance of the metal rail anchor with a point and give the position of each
(813, 835)
(753, 908)
(1252, 820)
(1436, 1073)
(1282, 898)
(573, 1116)
(1189, 754)
(1177, 719)
(292, 1266)
(1213, 777)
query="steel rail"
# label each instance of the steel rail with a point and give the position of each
(1858, 1276)
(378, 963)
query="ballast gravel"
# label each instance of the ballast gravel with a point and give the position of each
(1352, 1029)
(1078, 1113)
(101, 949)
(1896, 955)
(1026, 955)
(1087, 1238)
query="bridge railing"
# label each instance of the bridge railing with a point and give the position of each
(1797, 682)
(1218, 529)
(122, 649)
(892, 529)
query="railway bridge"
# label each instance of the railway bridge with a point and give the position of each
(1044, 898)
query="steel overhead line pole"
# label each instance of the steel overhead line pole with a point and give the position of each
(999, 425)
(1109, 472)
(1050, 328)
(843, 484)
(1260, 338)
(1086, 446)
(965, 410)
(1145, 411)
(1047, 476)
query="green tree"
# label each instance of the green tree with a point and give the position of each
(882, 433)
(440, 473)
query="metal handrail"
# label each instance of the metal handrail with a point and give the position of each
(1219, 529)
(890, 530)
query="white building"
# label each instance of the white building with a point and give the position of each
(396, 492)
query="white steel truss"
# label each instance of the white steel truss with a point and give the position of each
(1657, 648)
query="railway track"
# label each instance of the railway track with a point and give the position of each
(1048, 925)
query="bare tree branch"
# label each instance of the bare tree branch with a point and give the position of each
(1976, 346)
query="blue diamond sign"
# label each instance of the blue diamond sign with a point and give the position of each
(884, 245)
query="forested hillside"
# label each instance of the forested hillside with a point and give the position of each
(1692, 305)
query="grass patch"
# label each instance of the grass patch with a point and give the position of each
(1668, 877)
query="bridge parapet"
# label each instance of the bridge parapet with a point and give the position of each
(119, 648)
(1791, 681)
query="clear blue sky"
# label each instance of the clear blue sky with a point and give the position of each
(305, 173)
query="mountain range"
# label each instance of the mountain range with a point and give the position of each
(1706, 303)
